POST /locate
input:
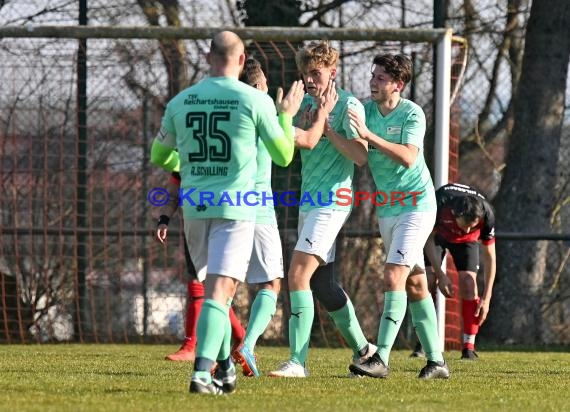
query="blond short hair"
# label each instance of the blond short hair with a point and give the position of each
(316, 54)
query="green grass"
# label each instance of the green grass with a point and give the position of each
(136, 378)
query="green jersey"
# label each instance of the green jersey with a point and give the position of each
(402, 189)
(324, 170)
(216, 124)
(265, 214)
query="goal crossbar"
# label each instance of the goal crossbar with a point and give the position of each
(441, 38)
(251, 33)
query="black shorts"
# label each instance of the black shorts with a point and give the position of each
(465, 255)
(189, 264)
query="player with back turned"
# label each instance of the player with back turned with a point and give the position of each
(215, 125)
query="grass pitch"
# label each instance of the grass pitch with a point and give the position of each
(137, 378)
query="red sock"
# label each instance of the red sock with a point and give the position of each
(195, 300)
(470, 323)
(238, 332)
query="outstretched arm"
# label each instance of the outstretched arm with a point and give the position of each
(282, 148)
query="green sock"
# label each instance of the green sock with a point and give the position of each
(346, 322)
(394, 312)
(226, 347)
(205, 376)
(300, 324)
(424, 320)
(262, 310)
(209, 333)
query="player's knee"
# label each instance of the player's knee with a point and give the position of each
(414, 291)
(468, 284)
(273, 286)
(332, 298)
(395, 277)
(327, 291)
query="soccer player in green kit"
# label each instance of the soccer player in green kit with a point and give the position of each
(215, 125)
(266, 264)
(328, 165)
(195, 287)
(394, 129)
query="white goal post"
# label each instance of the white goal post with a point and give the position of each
(441, 37)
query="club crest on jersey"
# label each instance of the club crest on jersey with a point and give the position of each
(394, 130)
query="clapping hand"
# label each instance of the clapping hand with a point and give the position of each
(329, 98)
(292, 101)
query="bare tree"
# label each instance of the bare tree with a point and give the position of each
(154, 70)
(526, 201)
(485, 134)
(172, 51)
